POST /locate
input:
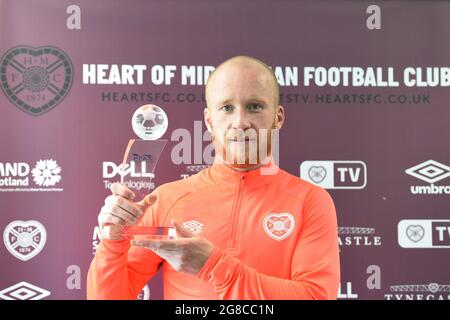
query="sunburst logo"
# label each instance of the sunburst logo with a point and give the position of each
(46, 173)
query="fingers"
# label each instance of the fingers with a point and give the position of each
(182, 232)
(119, 210)
(105, 218)
(116, 209)
(126, 205)
(158, 245)
(112, 232)
(120, 190)
(167, 250)
(184, 255)
(148, 244)
(147, 202)
(117, 213)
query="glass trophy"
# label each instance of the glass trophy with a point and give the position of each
(139, 162)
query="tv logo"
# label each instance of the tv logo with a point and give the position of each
(335, 174)
(424, 233)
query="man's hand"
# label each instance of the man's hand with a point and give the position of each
(120, 211)
(188, 253)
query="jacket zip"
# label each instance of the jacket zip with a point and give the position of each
(235, 213)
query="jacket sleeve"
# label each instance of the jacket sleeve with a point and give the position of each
(119, 270)
(315, 269)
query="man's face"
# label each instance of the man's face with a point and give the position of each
(241, 113)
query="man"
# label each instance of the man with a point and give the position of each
(260, 233)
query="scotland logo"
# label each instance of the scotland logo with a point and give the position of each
(24, 239)
(35, 79)
(46, 173)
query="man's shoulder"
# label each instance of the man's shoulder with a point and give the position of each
(297, 186)
(315, 200)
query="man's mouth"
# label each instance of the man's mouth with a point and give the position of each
(244, 139)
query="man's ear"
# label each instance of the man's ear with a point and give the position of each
(280, 115)
(207, 116)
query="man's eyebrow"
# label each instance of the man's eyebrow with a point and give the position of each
(224, 102)
(257, 100)
(248, 100)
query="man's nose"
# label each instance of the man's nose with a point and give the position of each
(240, 119)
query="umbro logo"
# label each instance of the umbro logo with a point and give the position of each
(431, 172)
(193, 226)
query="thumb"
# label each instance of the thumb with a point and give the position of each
(182, 232)
(147, 202)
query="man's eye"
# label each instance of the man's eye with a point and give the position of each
(227, 108)
(254, 107)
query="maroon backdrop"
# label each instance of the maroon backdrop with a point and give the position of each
(380, 150)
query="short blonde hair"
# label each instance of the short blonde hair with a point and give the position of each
(276, 86)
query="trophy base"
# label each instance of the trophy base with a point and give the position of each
(150, 233)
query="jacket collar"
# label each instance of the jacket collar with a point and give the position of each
(227, 176)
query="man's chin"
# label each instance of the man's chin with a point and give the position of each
(244, 167)
(243, 164)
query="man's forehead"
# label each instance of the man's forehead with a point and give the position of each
(239, 92)
(245, 84)
(240, 71)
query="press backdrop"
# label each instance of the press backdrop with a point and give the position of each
(382, 151)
